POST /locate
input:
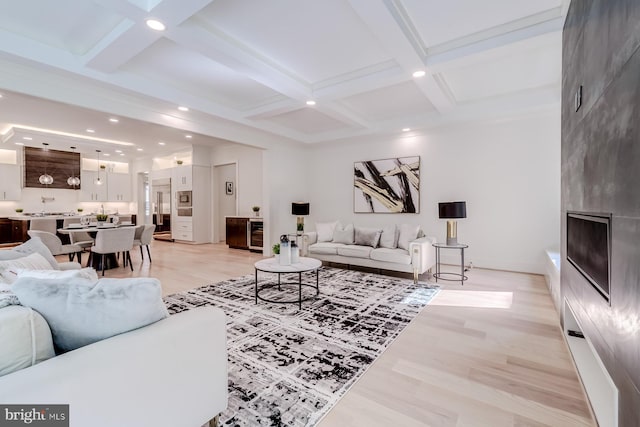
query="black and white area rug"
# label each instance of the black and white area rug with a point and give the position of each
(288, 367)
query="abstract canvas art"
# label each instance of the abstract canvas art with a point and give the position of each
(387, 186)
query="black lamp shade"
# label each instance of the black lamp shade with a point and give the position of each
(299, 209)
(454, 210)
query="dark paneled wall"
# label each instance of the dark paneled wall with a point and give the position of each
(59, 164)
(601, 173)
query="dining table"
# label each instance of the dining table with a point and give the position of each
(110, 260)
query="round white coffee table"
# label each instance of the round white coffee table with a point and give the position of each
(271, 265)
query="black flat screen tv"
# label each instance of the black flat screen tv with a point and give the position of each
(589, 248)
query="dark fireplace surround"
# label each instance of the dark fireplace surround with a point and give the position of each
(600, 171)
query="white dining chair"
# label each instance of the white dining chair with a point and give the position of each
(144, 238)
(80, 238)
(56, 246)
(43, 224)
(114, 240)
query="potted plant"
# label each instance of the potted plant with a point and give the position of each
(256, 210)
(102, 218)
(19, 210)
(80, 210)
(276, 250)
(179, 162)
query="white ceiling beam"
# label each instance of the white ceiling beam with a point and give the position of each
(467, 50)
(389, 24)
(133, 36)
(240, 58)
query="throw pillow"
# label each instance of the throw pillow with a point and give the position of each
(25, 338)
(9, 269)
(81, 312)
(389, 237)
(325, 230)
(408, 233)
(35, 245)
(367, 236)
(87, 273)
(343, 234)
(7, 297)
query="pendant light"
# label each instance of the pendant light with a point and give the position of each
(98, 180)
(45, 178)
(73, 180)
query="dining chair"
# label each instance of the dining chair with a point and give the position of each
(56, 246)
(114, 240)
(80, 238)
(144, 238)
(43, 224)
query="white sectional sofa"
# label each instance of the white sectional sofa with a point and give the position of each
(172, 372)
(402, 248)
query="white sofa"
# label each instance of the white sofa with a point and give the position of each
(169, 373)
(417, 259)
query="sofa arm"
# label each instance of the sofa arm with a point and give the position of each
(423, 254)
(312, 237)
(170, 373)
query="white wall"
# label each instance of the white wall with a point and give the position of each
(224, 204)
(249, 171)
(508, 173)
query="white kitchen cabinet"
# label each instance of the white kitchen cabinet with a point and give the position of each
(182, 178)
(10, 182)
(89, 190)
(118, 187)
(195, 228)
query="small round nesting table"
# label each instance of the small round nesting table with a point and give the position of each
(271, 265)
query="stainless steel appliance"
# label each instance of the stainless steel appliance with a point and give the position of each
(184, 203)
(183, 199)
(255, 230)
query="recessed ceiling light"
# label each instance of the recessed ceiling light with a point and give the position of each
(122, 154)
(19, 143)
(311, 102)
(27, 138)
(161, 143)
(406, 129)
(419, 73)
(91, 131)
(118, 151)
(0, 95)
(154, 24)
(183, 108)
(113, 120)
(139, 149)
(106, 154)
(188, 136)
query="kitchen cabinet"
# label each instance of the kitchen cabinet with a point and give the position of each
(6, 235)
(118, 187)
(19, 230)
(89, 190)
(197, 227)
(10, 182)
(182, 178)
(237, 232)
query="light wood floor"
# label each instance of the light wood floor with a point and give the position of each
(489, 353)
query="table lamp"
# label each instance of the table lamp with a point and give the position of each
(452, 211)
(301, 209)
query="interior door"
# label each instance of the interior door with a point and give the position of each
(161, 204)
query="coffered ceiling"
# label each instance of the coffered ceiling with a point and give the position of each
(246, 68)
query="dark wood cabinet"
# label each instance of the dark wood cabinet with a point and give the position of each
(6, 235)
(237, 233)
(19, 230)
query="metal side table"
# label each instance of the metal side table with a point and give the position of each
(453, 277)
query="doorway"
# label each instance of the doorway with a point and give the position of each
(161, 208)
(226, 197)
